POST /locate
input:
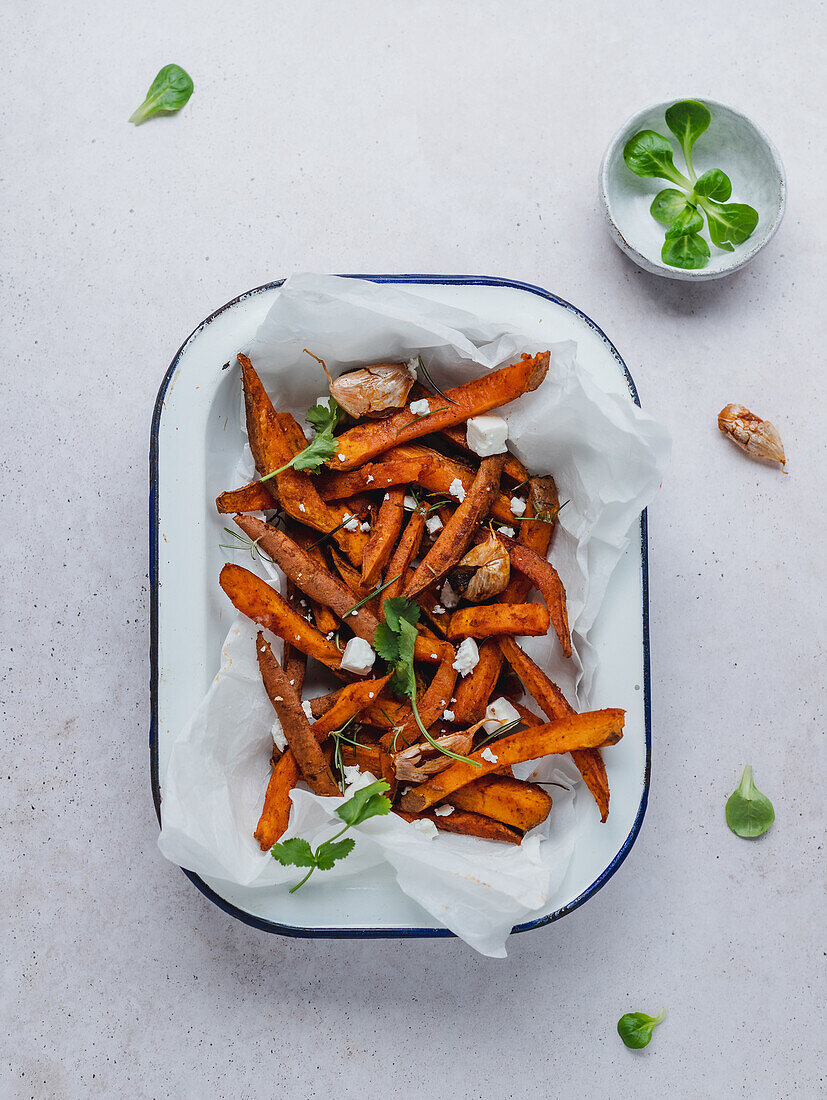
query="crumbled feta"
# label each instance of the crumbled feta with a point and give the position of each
(420, 408)
(370, 478)
(358, 657)
(438, 609)
(509, 532)
(449, 596)
(457, 489)
(434, 524)
(341, 457)
(487, 754)
(486, 435)
(364, 526)
(350, 523)
(498, 714)
(302, 508)
(408, 502)
(279, 740)
(306, 708)
(443, 811)
(387, 496)
(412, 365)
(467, 657)
(448, 715)
(355, 779)
(425, 826)
(434, 656)
(517, 505)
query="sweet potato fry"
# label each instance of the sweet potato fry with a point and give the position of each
(522, 805)
(294, 661)
(474, 691)
(275, 813)
(405, 552)
(350, 701)
(545, 578)
(468, 824)
(253, 497)
(287, 704)
(555, 705)
(272, 437)
(325, 620)
(459, 530)
(367, 757)
(394, 469)
(255, 598)
(384, 536)
(489, 620)
(576, 731)
(303, 569)
(472, 398)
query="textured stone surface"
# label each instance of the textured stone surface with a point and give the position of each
(378, 137)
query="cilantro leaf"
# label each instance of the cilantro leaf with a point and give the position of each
(367, 802)
(331, 851)
(386, 643)
(325, 419)
(320, 449)
(295, 852)
(398, 608)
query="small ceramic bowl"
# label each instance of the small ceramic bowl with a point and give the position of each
(732, 143)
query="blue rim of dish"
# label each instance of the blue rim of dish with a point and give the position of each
(383, 933)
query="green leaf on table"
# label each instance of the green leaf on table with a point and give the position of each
(635, 1028)
(367, 802)
(295, 852)
(168, 92)
(729, 223)
(713, 184)
(687, 119)
(689, 252)
(650, 154)
(749, 813)
(688, 221)
(667, 205)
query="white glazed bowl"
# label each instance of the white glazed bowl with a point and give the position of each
(733, 143)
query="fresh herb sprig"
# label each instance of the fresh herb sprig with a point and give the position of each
(365, 803)
(395, 640)
(244, 543)
(650, 155)
(749, 813)
(168, 92)
(543, 517)
(635, 1028)
(323, 446)
(421, 369)
(373, 592)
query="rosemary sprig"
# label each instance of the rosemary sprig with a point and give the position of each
(245, 543)
(542, 517)
(422, 416)
(426, 374)
(497, 733)
(327, 534)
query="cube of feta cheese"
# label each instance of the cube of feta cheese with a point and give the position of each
(448, 715)
(408, 502)
(307, 710)
(499, 713)
(509, 532)
(443, 811)
(467, 657)
(434, 524)
(486, 434)
(358, 657)
(351, 523)
(425, 826)
(487, 754)
(517, 506)
(279, 740)
(457, 489)
(420, 408)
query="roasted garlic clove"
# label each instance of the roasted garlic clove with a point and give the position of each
(757, 437)
(415, 763)
(371, 390)
(483, 572)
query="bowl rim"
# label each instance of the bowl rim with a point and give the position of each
(405, 932)
(657, 267)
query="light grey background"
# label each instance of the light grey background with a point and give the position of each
(373, 136)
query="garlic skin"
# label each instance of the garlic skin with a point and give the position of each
(759, 438)
(415, 763)
(370, 391)
(483, 572)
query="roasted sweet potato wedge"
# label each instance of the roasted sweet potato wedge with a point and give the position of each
(545, 578)
(253, 497)
(472, 398)
(490, 620)
(522, 805)
(384, 536)
(468, 824)
(350, 701)
(576, 731)
(275, 813)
